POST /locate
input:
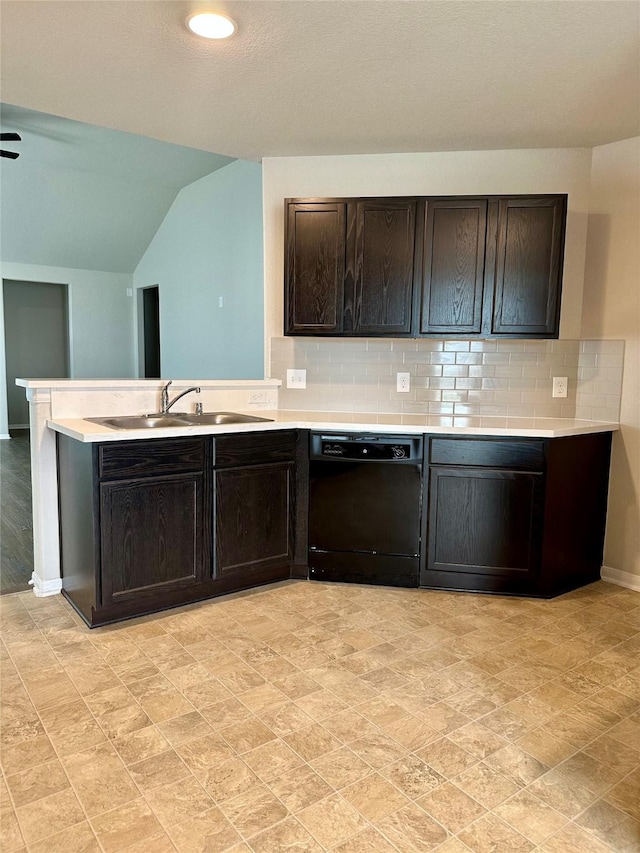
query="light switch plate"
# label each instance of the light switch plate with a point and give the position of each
(296, 378)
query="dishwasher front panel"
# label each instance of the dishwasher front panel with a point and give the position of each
(371, 507)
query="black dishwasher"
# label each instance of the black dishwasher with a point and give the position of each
(365, 494)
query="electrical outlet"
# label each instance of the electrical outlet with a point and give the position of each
(296, 378)
(258, 398)
(403, 382)
(560, 386)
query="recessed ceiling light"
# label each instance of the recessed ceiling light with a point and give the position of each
(211, 25)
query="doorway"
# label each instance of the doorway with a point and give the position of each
(150, 303)
(36, 329)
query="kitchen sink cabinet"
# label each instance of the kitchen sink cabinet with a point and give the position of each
(254, 505)
(135, 524)
(484, 266)
(522, 516)
(150, 524)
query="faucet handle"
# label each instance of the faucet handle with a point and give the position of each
(198, 408)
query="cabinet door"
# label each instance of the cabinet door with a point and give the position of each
(384, 266)
(454, 266)
(314, 267)
(155, 537)
(484, 521)
(529, 258)
(254, 518)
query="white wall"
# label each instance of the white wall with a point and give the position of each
(561, 170)
(100, 321)
(208, 247)
(611, 309)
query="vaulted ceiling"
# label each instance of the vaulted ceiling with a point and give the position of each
(87, 197)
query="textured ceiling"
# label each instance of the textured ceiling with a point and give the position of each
(334, 76)
(86, 197)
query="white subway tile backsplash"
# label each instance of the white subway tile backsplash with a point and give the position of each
(443, 358)
(455, 370)
(457, 346)
(504, 378)
(468, 358)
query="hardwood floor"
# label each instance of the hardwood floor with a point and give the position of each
(16, 528)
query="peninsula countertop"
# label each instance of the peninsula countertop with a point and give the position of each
(86, 431)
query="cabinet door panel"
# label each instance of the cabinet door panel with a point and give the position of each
(253, 518)
(152, 536)
(314, 275)
(484, 521)
(529, 266)
(385, 247)
(454, 266)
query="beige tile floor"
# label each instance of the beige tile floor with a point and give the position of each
(315, 717)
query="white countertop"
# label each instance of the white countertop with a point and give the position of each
(86, 431)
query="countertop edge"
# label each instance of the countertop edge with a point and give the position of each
(86, 432)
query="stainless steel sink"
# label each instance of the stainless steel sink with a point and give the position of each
(140, 421)
(213, 418)
(158, 421)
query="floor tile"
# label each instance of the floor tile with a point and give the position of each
(50, 815)
(100, 779)
(37, 782)
(332, 821)
(316, 717)
(412, 830)
(287, 835)
(122, 827)
(254, 810)
(374, 797)
(451, 807)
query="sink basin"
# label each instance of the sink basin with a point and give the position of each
(177, 420)
(213, 418)
(139, 421)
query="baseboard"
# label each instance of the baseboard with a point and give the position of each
(42, 588)
(4, 435)
(625, 579)
(18, 426)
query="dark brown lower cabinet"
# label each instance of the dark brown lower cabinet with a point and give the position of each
(152, 536)
(515, 516)
(150, 524)
(135, 525)
(254, 496)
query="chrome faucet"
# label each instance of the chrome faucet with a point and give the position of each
(165, 405)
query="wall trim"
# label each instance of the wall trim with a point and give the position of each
(620, 578)
(43, 588)
(18, 426)
(4, 435)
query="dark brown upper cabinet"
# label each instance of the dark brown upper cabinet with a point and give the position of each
(528, 270)
(315, 267)
(454, 261)
(384, 266)
(485, 266)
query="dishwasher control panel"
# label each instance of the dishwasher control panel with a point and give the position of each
(372, 448)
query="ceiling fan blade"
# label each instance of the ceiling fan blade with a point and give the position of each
(10, 137)
(12, 154)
